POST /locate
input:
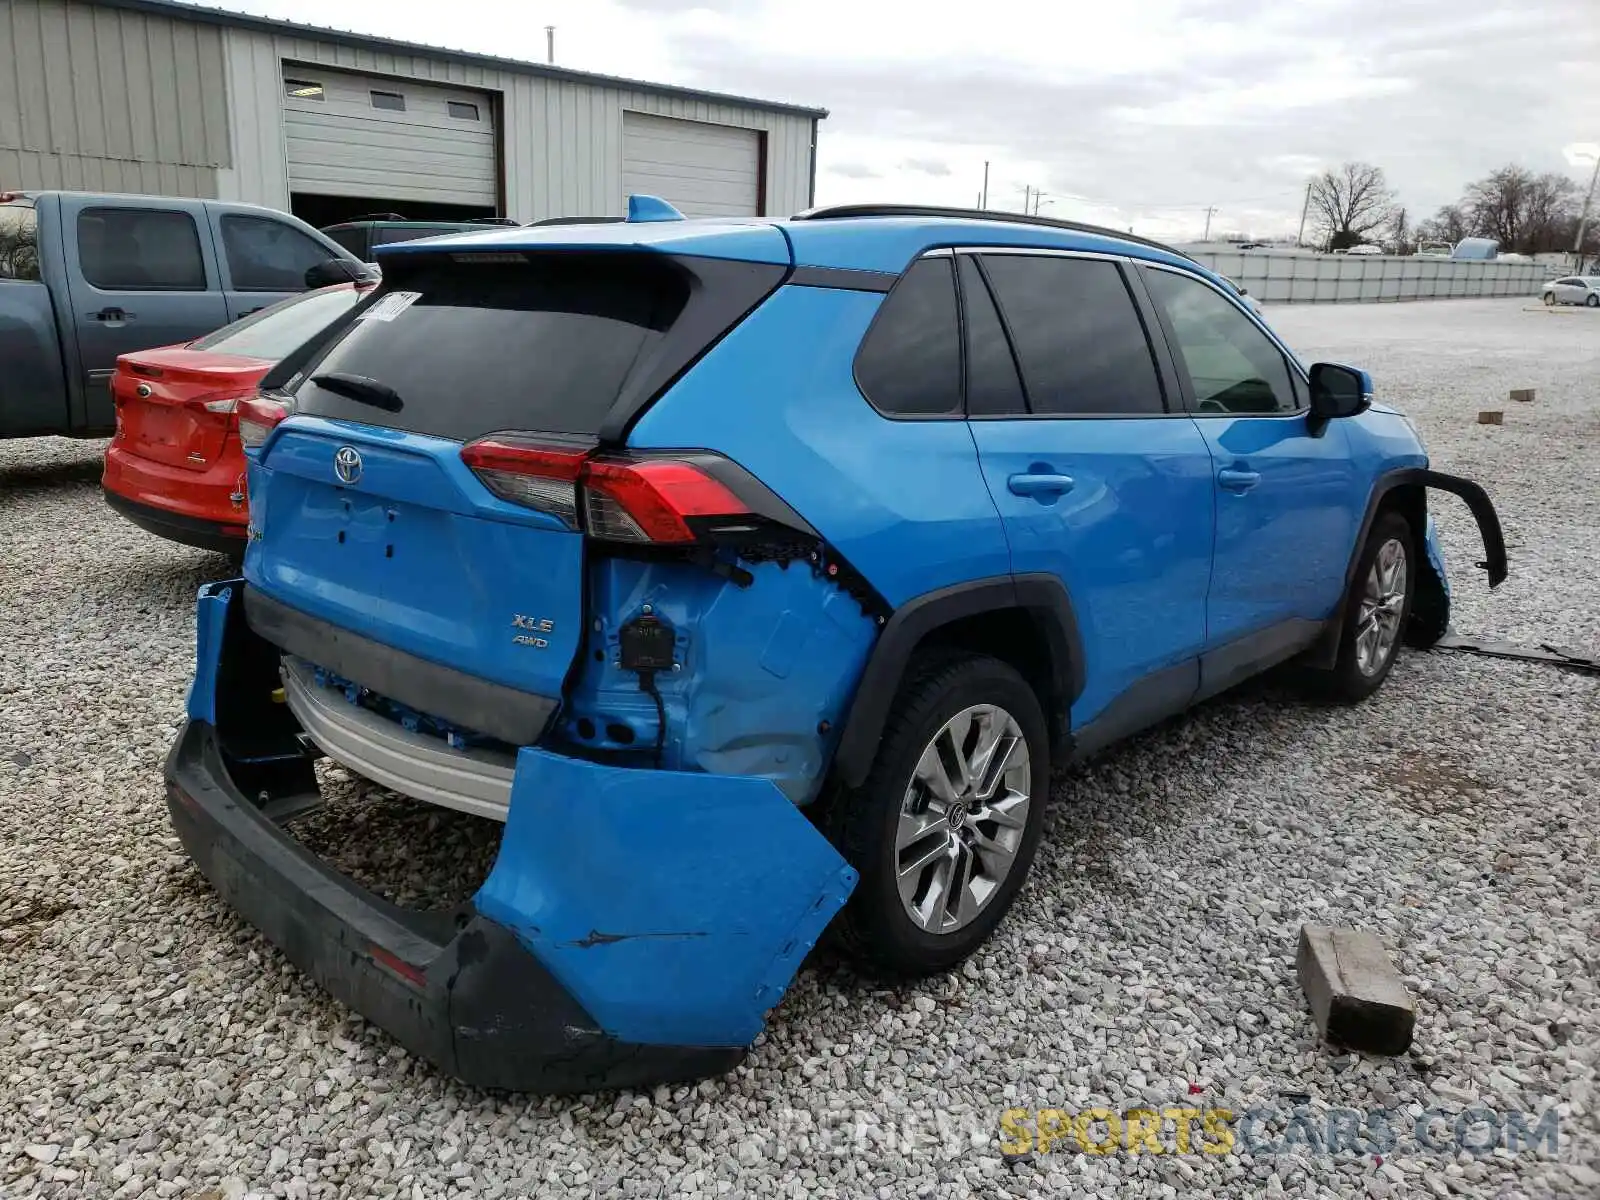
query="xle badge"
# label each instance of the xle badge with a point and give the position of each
(534, 626)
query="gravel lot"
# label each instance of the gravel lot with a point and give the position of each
(152, 1044)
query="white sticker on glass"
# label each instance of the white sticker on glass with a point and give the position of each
(387, 308)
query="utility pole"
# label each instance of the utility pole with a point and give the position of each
(1583, 220)
(983, 196)
(1206, 236)
(1027, 190)
(550, 44)
(1299, 238)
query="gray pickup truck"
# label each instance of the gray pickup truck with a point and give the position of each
(84, 278)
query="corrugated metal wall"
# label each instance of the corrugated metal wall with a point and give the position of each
(1361, 278)
(562, 139)
(99, 99)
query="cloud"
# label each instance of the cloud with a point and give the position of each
(1144, 112)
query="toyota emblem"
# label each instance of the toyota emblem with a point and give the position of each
(347, 464)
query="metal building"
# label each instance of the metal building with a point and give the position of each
(162, 97)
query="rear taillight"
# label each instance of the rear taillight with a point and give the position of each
(256, 416)
(621, 499)
(221, 404)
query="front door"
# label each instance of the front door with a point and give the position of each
(264, 260)
(1096, 481)
(140, 275)
(1286, 499)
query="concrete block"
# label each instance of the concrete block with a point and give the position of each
(1491, 417)
(1356, 995)
(1525, 395)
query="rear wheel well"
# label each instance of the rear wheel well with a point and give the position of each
(1015, 636)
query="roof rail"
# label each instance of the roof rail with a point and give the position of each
(492, 221)
(373, 217)
(832, 211)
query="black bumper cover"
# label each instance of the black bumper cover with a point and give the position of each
(218, 536)
(458, 989)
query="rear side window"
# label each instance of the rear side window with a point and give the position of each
(1078, 335)
(140, 249)
(910, 361)
(993, 388)
(1233, 367)
(19, 243)
(273, 332)
(268, 256)
(545, 343)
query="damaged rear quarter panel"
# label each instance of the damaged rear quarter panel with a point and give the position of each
(765, 673)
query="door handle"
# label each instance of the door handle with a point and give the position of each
(112, 316)
(251, 311)
(1237, 479)
(1030, 484)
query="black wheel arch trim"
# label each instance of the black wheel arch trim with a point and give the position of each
(1041, 594)
(1325, 653)
(1477, 501)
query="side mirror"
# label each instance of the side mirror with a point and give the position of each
(1338, 391)
(338, 270)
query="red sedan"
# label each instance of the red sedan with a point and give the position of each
(175, 466)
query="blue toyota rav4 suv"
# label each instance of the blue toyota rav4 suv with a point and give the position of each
(755, 574)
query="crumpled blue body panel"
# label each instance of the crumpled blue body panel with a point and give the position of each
(675, 906)
(210, 623)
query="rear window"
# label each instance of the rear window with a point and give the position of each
(545, 343)
(19, 243)
(140, 249)
(273, 332)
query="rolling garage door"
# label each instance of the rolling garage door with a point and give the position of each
(703, 170)
(360, 135)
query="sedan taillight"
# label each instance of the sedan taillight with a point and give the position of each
(257, 415)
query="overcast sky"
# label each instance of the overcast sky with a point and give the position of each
(1125, 112)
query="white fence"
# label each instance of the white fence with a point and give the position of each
(1333, 278)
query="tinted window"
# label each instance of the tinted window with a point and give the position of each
(287, 325)
(389, 100)
(910, 362)
(993, 387)
(1232, 365)
(268, 256)
(544, 345)
(1078, 335)
(19, 243)
(387, 235)
(353, 239)
(465, 112)
(138, 249)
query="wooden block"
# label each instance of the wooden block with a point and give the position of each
(1357, 999)
(1525, 395)
(1491, 417)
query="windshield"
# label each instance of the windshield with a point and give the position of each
(273, 332)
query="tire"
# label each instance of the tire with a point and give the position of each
(1549, 299)
(947, 697)
(1592, 301)
(1366, 651)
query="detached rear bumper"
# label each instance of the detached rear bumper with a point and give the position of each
(635, 929)
(464, 994)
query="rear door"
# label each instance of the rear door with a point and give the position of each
(263, 259)
(367, 516)
(1286, 494)
(140, 274)
(1100, 477)
(33, 393)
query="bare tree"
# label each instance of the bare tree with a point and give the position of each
(1350, 203)
(1450, 224)
(1399, 235)
(1524, 212)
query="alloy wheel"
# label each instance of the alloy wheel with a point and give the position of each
(1383, 601)
(962, 818)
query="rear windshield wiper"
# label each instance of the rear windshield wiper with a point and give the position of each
(360, 389)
